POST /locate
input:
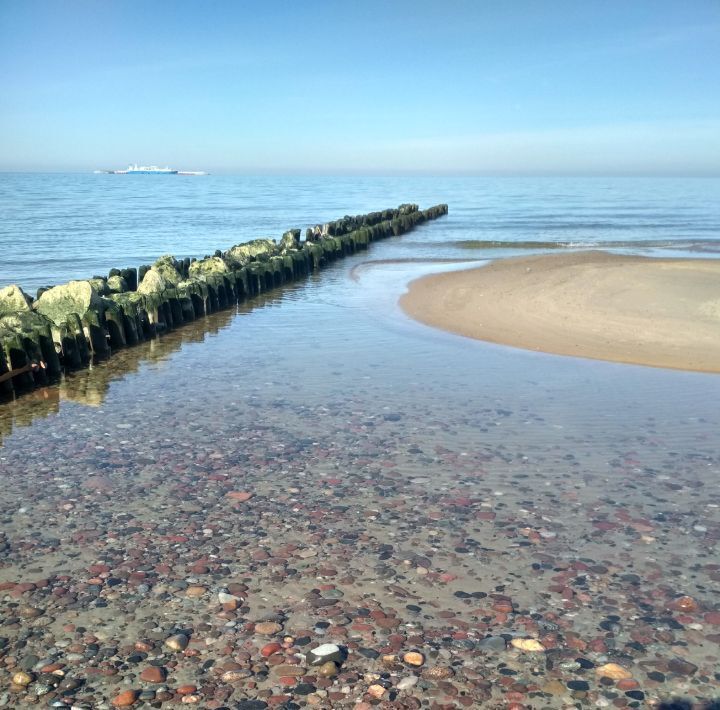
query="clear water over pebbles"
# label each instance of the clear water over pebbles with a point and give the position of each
(470, 525)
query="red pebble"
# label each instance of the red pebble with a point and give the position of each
(154, 674)
(270, 648)
(126, 699)
(684, 603)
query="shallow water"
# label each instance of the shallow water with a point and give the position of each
(394, 468)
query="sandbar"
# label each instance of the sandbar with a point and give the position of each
(633, 309)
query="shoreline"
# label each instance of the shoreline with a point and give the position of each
(637, 310)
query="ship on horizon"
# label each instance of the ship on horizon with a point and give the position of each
(136, 169)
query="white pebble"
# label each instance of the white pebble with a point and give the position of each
(407, 682)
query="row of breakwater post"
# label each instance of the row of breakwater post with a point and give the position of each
(65, 327)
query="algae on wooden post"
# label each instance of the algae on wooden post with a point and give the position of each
(212, 265)
(117, 284)
(290, 240)
(115, 322)
(152, 287)
(80, 298)
(134, 314)
(73, 297)
(14, 299)
(168, 267)
(243, 254)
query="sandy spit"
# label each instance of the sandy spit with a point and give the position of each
(632, 309)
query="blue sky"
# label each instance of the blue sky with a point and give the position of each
(366, 86)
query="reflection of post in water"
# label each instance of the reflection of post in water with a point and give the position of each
(90, 387)
(21, 412)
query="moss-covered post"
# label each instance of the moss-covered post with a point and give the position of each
(66, 323)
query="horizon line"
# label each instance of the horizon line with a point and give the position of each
(403, 173)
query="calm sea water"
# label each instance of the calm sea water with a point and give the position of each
(347, 419)
(56, 227)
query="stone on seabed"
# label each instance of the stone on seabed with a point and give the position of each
(407, 682)
(326, 652)
(267, 628)
(22, 678)
(327, 670)
(614, 671)
(413, 658)
(529, 645)
(154, 674)
(178, 642)
(125, 699)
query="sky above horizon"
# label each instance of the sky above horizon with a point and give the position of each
(371, 87)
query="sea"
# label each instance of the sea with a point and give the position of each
(380, 454)
(55, 227)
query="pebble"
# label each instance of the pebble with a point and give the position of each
(326, 652)
(268, 628)
(327, 670)
(154, 674)
(270, 648)
(125, 699)
(225, 598)
(414, 658)
(492, 643)
(178, 642)
(239, 496)
(377, 691)
(581, 685)
(22, 678)
(684, 603)
(682, 667)
(614, 671)
(529, 645)
(287, 670)
(438, 673)
(407, 682)
(30, 612)
(554, 687)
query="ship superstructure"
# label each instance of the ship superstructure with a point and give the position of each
(150, 170)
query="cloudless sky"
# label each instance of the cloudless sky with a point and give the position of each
(366, 86)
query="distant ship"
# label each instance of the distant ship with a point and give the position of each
(150, 170)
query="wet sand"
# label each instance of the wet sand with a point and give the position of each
(633, 309)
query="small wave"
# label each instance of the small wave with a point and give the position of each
(709, 247)
(355, 271)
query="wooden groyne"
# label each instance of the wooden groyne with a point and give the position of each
(65, 327)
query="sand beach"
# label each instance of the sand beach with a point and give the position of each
(633, 309)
